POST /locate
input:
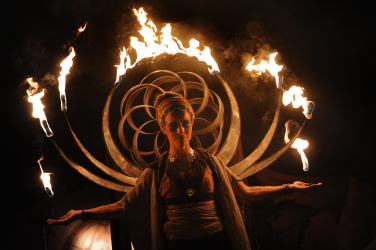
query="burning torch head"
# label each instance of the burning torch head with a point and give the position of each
(308, 109)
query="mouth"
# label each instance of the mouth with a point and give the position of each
(180, 138)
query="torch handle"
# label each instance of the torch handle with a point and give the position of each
(63, 101)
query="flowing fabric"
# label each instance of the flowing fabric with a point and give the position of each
(144, 213)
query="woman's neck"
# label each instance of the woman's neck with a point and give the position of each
(178, 152)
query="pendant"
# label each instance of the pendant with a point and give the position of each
(191, 192)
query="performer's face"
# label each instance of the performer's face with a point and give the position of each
(178, 128)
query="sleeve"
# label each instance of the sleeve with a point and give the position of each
(233, 178)
(224, 169)
(141, 189)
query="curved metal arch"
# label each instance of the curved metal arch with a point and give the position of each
(258, 152)
(136, 152)
(115, 154)
(171, 73)
(158, 82)
(121, 128)
(264, 163)
(192, 85)
(167, 79)
(128, 105)
(205, 90)
(91, 176)
(134, 88)
(216, 121)
(217, 136)
(228, 149)
(111, 172)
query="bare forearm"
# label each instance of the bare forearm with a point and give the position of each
(109, 212)
(261, 193)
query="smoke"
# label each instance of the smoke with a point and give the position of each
(49, 79)
(32, 56)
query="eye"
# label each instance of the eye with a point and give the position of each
(186, 124)
(173, 126)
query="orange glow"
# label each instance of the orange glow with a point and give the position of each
(38, 106)
(270, 66)
(153, 46)
(46, 179)
(294, 96)
(81, 29)
(299, 145)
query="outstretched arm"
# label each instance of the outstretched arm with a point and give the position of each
(262, 193)
(108, 212)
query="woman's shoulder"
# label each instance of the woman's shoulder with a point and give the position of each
(157, 162)
(202, 152)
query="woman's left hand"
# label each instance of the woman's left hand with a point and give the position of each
(298, 186)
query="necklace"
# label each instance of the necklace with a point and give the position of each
(186, 160)
(189, 157)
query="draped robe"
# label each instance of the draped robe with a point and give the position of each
(144, 213)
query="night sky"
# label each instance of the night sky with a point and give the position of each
(325, 47)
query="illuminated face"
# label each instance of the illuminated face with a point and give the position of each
(178, 128)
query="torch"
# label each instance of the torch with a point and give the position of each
(66, 64)
(294, 96)
(38, 106)
(46, 179)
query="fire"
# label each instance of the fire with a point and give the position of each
(66, 64)
(38, 106)
(294, 96)
(299, 145)
(270, 66)
(81, 29)
(165, 43)
(46, 179)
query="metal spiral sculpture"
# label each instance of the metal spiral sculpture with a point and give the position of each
(131, 171)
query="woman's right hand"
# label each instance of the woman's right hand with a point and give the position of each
(66, 219)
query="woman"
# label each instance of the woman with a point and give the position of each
(187, 198)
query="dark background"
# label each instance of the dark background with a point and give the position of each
(325, 47)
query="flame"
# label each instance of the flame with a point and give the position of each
(38, 106)
(46, 179)
(299, 145)
(270, 66)
(81, 29)
(66, 64)
(165, 43)
(294, 96)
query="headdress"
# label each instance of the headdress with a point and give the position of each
(169, 102)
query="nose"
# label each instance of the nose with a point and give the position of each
(180, 129)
